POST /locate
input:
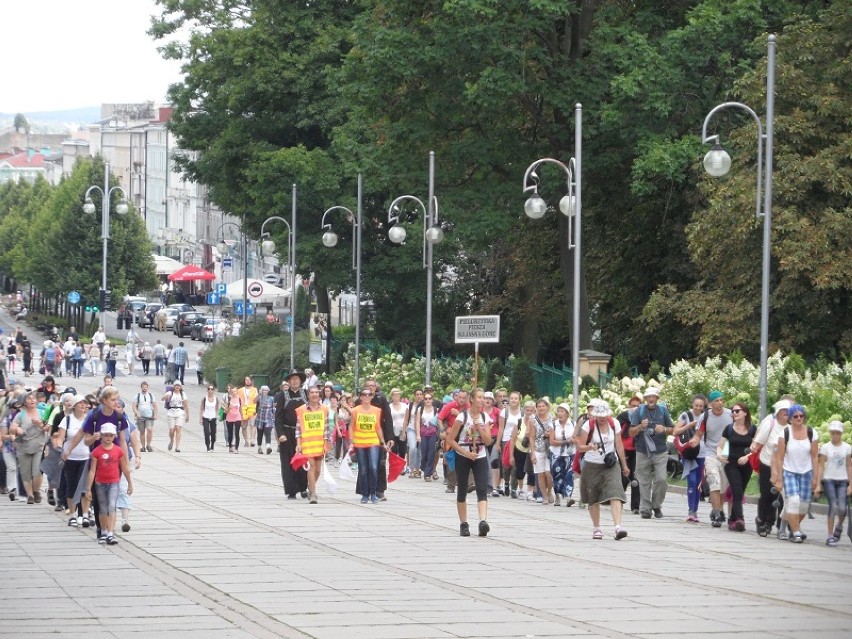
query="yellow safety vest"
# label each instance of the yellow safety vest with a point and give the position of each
(312, 430)
(364, 422)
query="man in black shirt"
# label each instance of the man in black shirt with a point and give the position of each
(287, 400)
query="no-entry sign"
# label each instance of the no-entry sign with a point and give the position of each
(255, 289)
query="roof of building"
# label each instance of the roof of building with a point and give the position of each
(25, 159)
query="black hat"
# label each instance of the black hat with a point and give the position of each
(295, 372)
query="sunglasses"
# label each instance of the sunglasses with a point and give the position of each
(797, 416)
(736, 410)
(428, 399)
(366, 394)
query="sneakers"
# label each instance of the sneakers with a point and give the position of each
(304, 494)
(36, 497)
(570, 503)
(374, 499)
(259, 450)
(539, 500)
(692, 518)
(381, 496)
(364, 500)
(30, 500)
(125, 526)
(658, 513)
(715, 521)
(514, 494)
(646, 514)
(51, 497)
(635, 511)
(483, 528)
(620, 533)
(797, 537)
(783, 535)
(464, 529)
(558, 500)
(831, 541)
(12, 495)
(506, 490)
(170, 446)
(495, 493)
(268, 450)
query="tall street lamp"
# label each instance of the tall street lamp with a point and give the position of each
(223, 249)
(571, 206)
(717, 163)
(329, 239)
(432, 234)
(89, 208)
(267, 247)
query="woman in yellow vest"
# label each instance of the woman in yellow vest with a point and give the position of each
(313, 436)
(365, 429)
(248, 401)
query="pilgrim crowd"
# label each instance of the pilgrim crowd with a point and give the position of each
(488, 444)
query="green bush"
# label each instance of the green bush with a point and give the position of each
(522, 378)
(262, 349)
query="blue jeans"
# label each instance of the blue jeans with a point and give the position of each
(413, 450)
(835, 490)
(693, 485)
(368, 470)
(428, 454)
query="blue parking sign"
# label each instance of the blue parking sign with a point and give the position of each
(221, 288)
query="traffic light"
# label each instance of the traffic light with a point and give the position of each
(105, 298)
(92, 309)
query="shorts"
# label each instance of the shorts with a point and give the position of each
(176, 421)
(107, 495)
(541, 463)
(144, 422)
(798, 485)
(716, 479)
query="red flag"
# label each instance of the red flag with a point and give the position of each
(395, 466)
(298, 461)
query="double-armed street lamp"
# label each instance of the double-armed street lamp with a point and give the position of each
(432, 234)
(89, 208)
(224, 247)
(717, 163)
(329, 239)
(571, 206)
(267, 247)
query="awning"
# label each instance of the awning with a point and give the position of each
(191, 273)
(166, 265)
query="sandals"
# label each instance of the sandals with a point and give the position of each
(597, 534)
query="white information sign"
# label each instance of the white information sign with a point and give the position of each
(474, 329)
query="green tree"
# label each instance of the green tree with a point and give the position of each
(812, 208)
(62, 248)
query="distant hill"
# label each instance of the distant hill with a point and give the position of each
(55, 121)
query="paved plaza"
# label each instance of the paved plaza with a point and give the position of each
(217, 551)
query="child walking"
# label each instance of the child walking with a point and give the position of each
(108, 463)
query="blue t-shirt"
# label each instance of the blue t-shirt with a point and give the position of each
(648, 441)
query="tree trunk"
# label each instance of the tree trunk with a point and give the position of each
(527, 334)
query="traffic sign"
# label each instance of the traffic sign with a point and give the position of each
(255, 289)
(272, 278)
(227, 263)
(212, 298)
(473, 329)
(238, 309)
(221, 288)
(73, 297)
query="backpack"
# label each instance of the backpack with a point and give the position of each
(50, 356)
(681, 442)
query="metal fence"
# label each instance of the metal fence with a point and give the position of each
(550, 380)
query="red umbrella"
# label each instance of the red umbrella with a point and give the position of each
(191, 273)
(395, 466)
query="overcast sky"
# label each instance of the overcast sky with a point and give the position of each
(62, 54)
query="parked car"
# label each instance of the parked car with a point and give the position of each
(182, 308)
(171, 316)
(183, 323)
(145, 315)
(204, 330)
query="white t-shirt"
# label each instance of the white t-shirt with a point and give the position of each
(798, 455)
(145, 405)
(835, 460)
(398, 417)
(608, 438)
(767, 435)
(81, 451)
(175, 404)
(563, 432)
(209, 407)
(469, 436)
(511, 421)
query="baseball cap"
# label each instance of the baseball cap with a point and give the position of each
(108, 429)
(714, 395)
(489, 395)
